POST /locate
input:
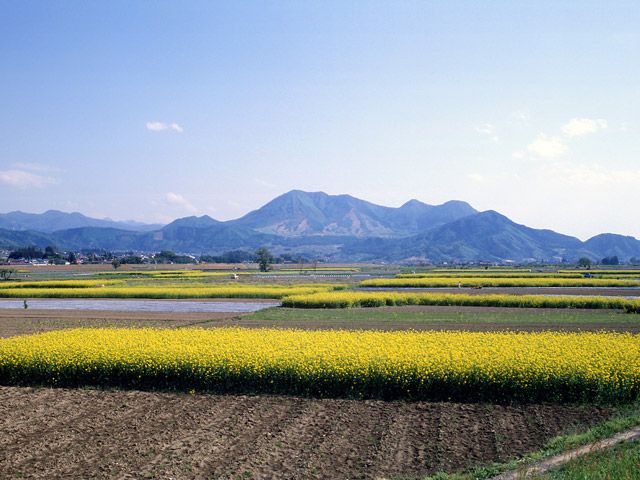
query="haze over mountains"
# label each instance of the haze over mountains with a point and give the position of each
(335, 227)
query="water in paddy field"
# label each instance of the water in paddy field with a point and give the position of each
(139, 305)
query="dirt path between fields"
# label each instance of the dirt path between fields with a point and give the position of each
(544, 466)
(81, 433)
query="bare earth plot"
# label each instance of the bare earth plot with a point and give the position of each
(59, 433)
(23, 322)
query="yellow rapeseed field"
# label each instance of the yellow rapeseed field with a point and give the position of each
(549, 366)
(498, 282)
(489, 274)
(349, 299)
(61, 284)
(171, 291)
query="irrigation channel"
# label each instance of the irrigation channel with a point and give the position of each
(188, 306)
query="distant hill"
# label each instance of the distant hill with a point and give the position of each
(610, 244)
(334, 227)
(299, 213)
(53, 220)
(493, 237)
(22, 238)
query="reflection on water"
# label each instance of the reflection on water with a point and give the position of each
(139, 305)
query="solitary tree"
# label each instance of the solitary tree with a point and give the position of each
(264, 259)
(584, 262)
(5, 273)
(116, 263)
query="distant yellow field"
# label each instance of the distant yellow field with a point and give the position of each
(163, 291)
(489, 274)
(61, 284)
(348, 299)
(498, 282)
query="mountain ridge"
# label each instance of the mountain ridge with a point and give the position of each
(335, 227)
(52, 220)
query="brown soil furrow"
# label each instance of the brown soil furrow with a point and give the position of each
(350, 442)
(18, 404)
(145, 434)
(50, 410)
(58, 433)
(507, 428)
(210, 425)
(409, 445)
(321, 424)
(54, 448)
(459, 421)
(254, 428)
(278, 451)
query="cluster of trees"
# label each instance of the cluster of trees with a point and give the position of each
(233, 256)
(50, 253)
(610, 260)
(585, 262)
(167, 256)
(241, 256)
(263, 257)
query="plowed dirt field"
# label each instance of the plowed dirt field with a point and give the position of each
(59, 433)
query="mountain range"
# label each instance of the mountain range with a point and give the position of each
(53, 220)
(334, 227)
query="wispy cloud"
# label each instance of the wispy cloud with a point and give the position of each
(489, 130)
(577, 127)
(24, 179)
(547, 146)
(162, 126)
(264, 183)
(520, 117)
(178, 200)
(35, 167)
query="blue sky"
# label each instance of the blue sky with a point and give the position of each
(157, 110)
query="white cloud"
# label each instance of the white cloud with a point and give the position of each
(520, 116)
(489, 130)
(264, 183)
(24, 179)
(477, 177)
(35, 167)
(519, 154)
(577, 127)
(161, 126)
(180, 201)
(546, 146)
